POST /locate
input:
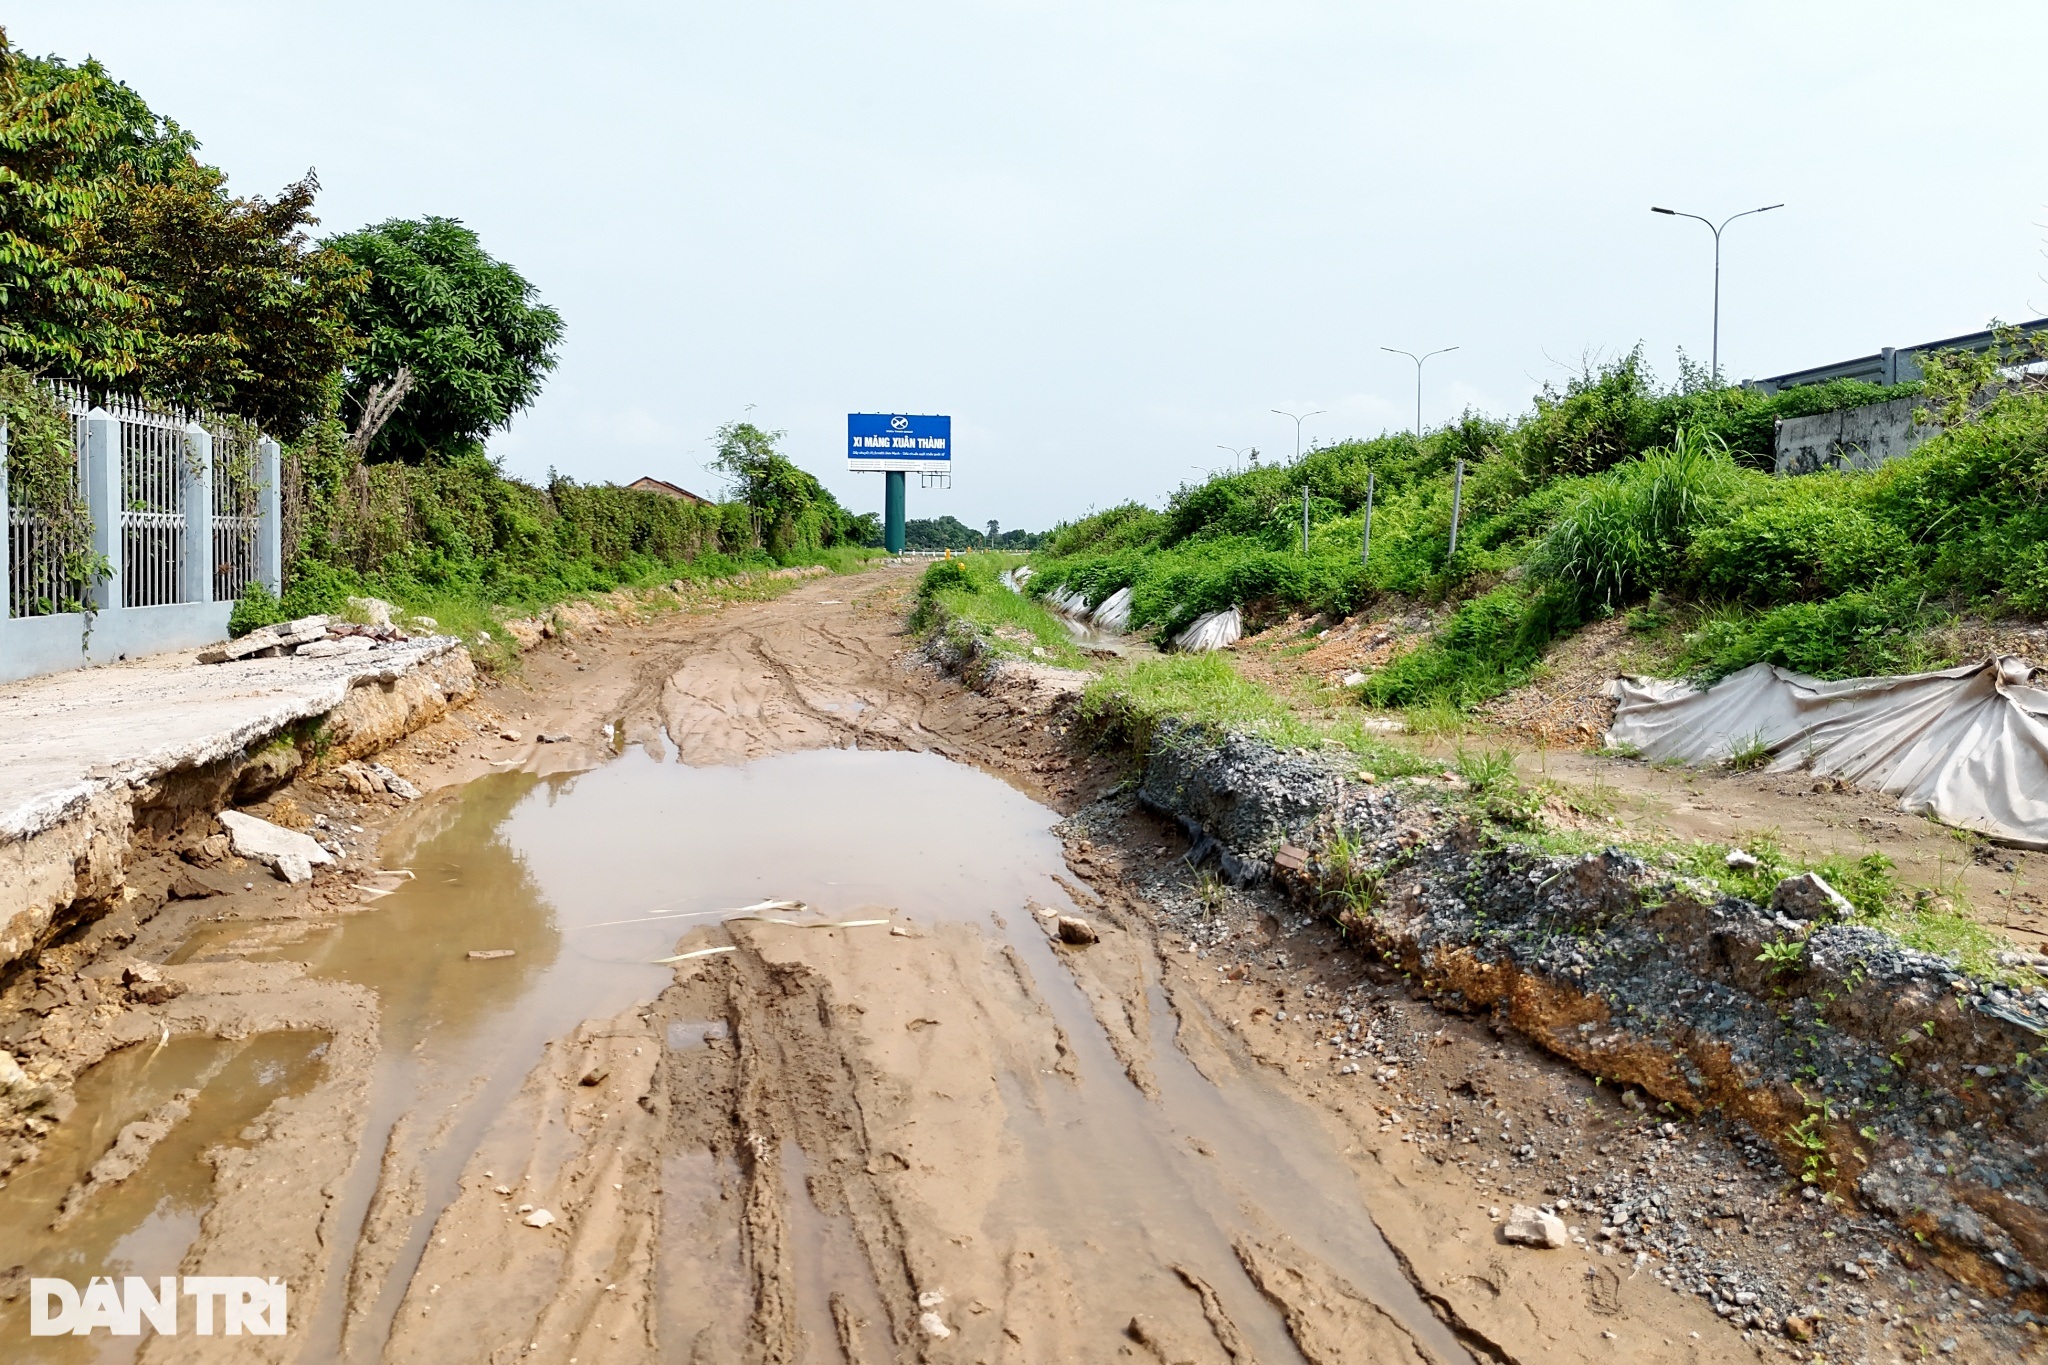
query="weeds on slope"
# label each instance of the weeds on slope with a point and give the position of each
(1012, 624)
(1611, 493)
(1127, 703)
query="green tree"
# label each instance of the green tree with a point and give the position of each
(125, 261)
(464, 333)
(941, 533)
(60, 141)
(246, 314)
(790, 508)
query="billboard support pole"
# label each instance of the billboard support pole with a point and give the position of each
(892, 515)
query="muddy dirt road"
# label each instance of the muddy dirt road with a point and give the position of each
(782, 1052)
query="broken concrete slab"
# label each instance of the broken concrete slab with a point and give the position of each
(84, 754)
(284, 636)
(292, 855)
(327, 648)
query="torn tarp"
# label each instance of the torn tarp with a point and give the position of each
(1968, 745)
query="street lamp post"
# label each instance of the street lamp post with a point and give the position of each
(1674, 213)
(1418, 359)
(1237, 455)
(1297, 428)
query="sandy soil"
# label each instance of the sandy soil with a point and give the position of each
(902, 1141)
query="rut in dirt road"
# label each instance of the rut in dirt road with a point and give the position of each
(895, 1121)
(910, 1138)
(950, 1185)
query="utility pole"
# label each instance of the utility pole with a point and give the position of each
(1457, 500)
(1418, 359)
(1304, 516)
(1297, 428)
(1365, 551)
(1674, 213)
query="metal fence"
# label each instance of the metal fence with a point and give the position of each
(235, 515)
(36, 582)
(152, 503)
(38, 549)
(157, 475)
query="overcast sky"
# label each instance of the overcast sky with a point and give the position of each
(1108, 237)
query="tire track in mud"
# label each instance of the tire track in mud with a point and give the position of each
(942, 1142)
(853, 1159)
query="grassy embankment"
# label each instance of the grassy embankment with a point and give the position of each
(1609, 498)
(1126, 700)
(1129, 697)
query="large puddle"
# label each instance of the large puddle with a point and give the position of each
(588, 879)
(144, 1225)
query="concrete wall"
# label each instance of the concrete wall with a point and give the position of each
(1850, 438)
(34, 645)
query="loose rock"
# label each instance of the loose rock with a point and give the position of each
(1076, 931)
(1808, 896)
(1535, 1228)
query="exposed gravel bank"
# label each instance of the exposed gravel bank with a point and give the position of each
(1890, 1096)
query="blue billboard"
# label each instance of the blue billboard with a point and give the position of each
(898, 441)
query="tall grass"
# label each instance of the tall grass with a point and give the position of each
(1622, 537)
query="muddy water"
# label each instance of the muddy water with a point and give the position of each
(144, 1225)
(589, 879)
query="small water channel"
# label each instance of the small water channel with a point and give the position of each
(588, 879)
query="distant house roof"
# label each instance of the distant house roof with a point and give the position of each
(654, 485)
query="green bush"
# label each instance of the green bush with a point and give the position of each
(258, 606)
(945, 575)
(1622, 537)
(1809, 545)
(1856, 634)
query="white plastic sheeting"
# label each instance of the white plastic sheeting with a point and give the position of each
(1015, 579)
(1968, 745)
(1212, 630)
(1072, 601)
(1115, 611)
